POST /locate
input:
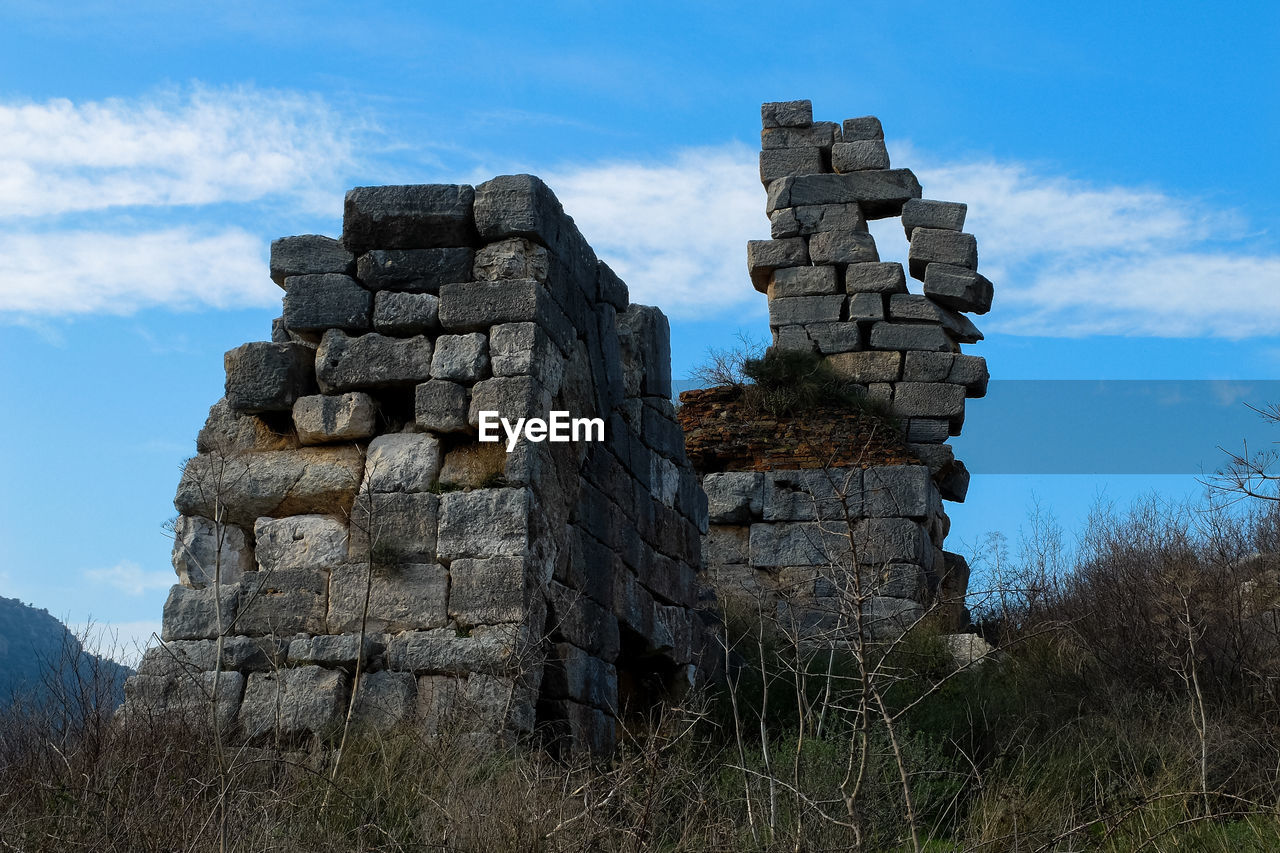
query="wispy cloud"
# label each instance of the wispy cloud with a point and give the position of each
(195, 147)
(130, 578)
(123, 642)
(117, 205)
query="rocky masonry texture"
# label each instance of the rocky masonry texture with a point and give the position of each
(342, 510)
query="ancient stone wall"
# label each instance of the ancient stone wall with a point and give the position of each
(341, 491)
(823, 537)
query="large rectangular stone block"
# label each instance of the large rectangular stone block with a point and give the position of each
(385, 699)
(644, 337)
(926, 213)
(205, 552)
(799, 543)
(726, 544)
(864, 307)
(843, 247)
(283, 602)
(967, 370)
(803, 310)
(818, 135)
(300, 542)
(928, 400)
(523, 206)
(958, 288)
(831, 338)
(475, 306)
(512, 259)
(572, 673)
(484, 523)
(890, 540)
(397, 313)
(490, 651)
(875, 278)
(441, 406)
(861, 128)
(814, 219)
(293, 703)
(859, 155)
(813, 494)
(935, 245)
(414, 270)
(392, 528)
(897, 490)
(734, 497)
(867, 367)
(372, 361)
(880, 193)
(777, 162)
(914, 308)
(268, 377)
(316, 303)
(402, 462)
(804, 281)
(786, 114)
(402, 597)
(574, 618)
(765, 256)
(488, 591)
(324, 418)
(199, 614)
(423, 216)
(910, 336)
(308, 254)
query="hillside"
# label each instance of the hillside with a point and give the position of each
(34, 646)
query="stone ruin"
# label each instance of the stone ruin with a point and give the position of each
(844, 533)
(343, 524)
(341, 496)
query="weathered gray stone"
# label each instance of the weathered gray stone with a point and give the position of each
(275, 483)
(612, 289)
(511, 397)
(397, 313)
(967, 650)
(441, 406)
(786, 114)
(524, 349)
(804, 281)
(865, 306)
(863, 127)
(843, 247)
(867, 367)
(910, 336)
(897, 580)
(574, 674)
(401, 597)
(191, 657)
(484, 523)
(644, 337)
(859, 154)
(188, 698)
(793, 338)
(522, 206)
(890, 540)
(283, 602)
(936, 245)
(817, 135)
(765, 256)
(490, 651)
(875, 278)
(928, 400)
(896, 490)
(807, 543)
(926, 213)
(268, 377)
(199, 614)
(293, 703)
(928, 430)
(880, 192)
(814, 219)
(308, 254)
(402, 462)
(510, 260)
(475, 306)
(392, 528)
(321, 418)
(831, 338)
(488, 591)
(423, 216)
(935, 456)
(336, 650)
(777, 162)
(813, 494)
(967, 370)
(385, 700)
(803, 310)
(912, 307)
(886, 619)
(414, 270)
(473, 465)
(345, 363)
(315, 303)
(726, 545)
(734, 497)
(204, 551)
(300, 542)
(575, 618)
(958, 288)
(953, 482)
(228, 432)
(461, 358)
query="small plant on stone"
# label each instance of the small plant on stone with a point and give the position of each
(786, 382)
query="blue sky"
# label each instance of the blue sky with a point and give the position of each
(1118, 161)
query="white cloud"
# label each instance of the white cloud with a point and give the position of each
(1068, 258)
(62, 273)
(675, 232)
(130, 578)
(197, 147)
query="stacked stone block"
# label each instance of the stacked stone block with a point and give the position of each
(341, 492)
(828, 290)
(822, 552)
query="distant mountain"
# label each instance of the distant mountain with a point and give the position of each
(41, 660)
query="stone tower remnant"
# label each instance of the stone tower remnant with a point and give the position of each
(847, 535)
(341, 513)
